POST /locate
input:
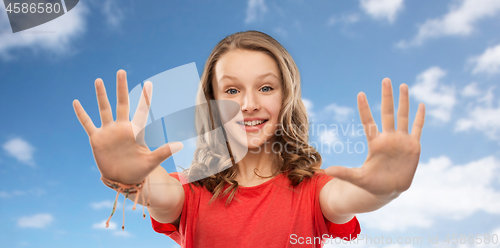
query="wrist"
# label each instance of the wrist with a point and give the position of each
(121, 187)
(126, 189)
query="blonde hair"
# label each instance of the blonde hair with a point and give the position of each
(300, 163)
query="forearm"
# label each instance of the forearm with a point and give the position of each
(348, 199)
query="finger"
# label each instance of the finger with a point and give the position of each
(387, 108)
(141, 113)
(365, 114)
(403, 108)
(164, 152)
(122, 104)
(84, 118)
(102, 101)
(418, 124)
(352, 175)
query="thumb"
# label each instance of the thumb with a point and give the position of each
(165, 151)
(343, 173)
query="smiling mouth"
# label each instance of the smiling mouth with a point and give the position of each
(251, 123)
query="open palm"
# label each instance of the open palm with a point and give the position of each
(392, 154)
(118, 146)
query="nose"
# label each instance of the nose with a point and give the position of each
(250, 103)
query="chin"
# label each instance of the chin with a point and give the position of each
(259, 142)
(255, 146)
(248, 143)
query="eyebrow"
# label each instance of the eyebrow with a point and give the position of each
(259, 77)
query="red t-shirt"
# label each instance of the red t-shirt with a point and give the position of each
(272, 214)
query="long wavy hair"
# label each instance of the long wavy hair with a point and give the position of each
(211, 156)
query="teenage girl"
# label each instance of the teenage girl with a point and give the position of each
(273, 197)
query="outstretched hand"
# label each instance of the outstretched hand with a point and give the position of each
(118, 146)
(392, 154)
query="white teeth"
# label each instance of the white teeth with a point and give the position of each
(252, 123)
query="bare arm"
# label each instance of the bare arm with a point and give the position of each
(166, 196)
(389, 168)
(341, 200)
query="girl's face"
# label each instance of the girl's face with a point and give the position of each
(252, 79)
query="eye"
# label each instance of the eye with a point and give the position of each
(266, 89)
(231, 91)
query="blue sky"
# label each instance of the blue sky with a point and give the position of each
(448, 52)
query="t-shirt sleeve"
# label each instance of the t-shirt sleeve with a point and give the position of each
(168, 228)
(347, 231)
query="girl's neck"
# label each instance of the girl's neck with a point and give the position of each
(263, 161)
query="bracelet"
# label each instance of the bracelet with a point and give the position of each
(126, 189)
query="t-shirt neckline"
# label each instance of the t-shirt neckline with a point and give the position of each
(260, 185)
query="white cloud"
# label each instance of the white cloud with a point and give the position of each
(496, 231)
(24, 243)
(36, 192)
(108, 205)
(487, 99)
(102, 204)
(382, 9)
(345, 19)
(438, 97)
(340, 113)
(329, 137)
(35, 221)
(102, 225)
(21, 150)
(309, 108)
(281, 31)
(488, 62)
(113, 12)
(324, 134)
(122, 233)
(471, 90)
(112, 227)
(255, 10)
(54, 36)
(441, 190)
(459, 21)
(483, 117)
